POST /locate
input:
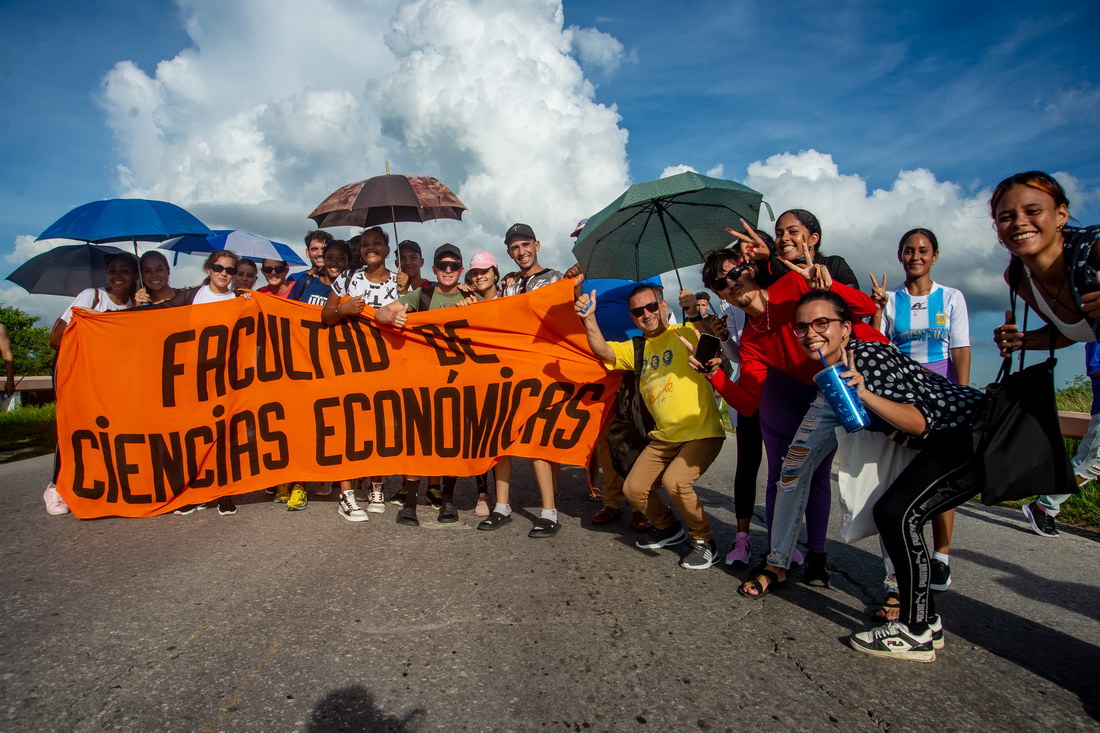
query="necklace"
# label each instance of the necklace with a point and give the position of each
(1054, 304)
(767, 320)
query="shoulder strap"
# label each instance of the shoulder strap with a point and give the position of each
(95, 299)
(426, 291)
(639, 353)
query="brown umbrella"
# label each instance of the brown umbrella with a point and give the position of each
(388, 199)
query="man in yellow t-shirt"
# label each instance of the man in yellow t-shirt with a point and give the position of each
(688, 434)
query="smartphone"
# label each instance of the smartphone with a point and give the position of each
(708, 348)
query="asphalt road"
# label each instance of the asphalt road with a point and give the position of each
(300, 621)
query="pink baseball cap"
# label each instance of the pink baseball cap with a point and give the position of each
(482, 261)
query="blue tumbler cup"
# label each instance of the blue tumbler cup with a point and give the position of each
(842, 398)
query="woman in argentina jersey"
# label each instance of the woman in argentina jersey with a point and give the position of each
(925, 320)
(929, 324)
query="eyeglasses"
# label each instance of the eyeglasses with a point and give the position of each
(273, 270)
(448, 266)
(231, 271)
(819, 325)
(642, 309)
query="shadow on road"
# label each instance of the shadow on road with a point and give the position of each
(353, 709)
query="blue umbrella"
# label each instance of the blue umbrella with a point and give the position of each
(124, 220)
(247, 245)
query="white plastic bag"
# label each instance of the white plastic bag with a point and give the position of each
(868, 463)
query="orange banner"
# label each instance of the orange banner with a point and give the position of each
(161, 408)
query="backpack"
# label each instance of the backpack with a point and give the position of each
(629, 432)
(425, 303)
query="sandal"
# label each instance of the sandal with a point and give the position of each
(774, 583)
(890, 610)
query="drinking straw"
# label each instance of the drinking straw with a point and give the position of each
(822, 357)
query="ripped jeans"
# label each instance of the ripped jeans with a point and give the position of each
(815, 439)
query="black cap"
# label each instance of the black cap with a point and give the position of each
(447, 250)
(517, 231)
(409, 244)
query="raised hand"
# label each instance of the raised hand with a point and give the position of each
(687, 302)
(752, 246)
(805, 270)
(852, 375)
(402, 282)
(878, 292)
(401, 316)
(585, 305)
(718, 327)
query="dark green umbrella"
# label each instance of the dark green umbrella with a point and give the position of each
(663, 225)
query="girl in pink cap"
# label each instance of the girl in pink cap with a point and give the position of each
(483, 275)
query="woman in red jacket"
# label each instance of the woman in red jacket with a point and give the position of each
(776, 376)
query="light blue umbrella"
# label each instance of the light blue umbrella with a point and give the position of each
(247, 245)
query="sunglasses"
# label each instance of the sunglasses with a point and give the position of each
(231, 271)
(448, 266)
(273, 270)
(819, 325)
(642, 309)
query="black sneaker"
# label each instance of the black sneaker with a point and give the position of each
(407, 515)
(495, 520)
(398, 498)
(447, 513)
(704, 553)
(189, 509)
(655, 539)
(1041, 522)
(544, 528)
(226, 506)
(940, 579)
(435, 495)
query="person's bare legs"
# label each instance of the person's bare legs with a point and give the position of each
(502, 478)
(546, 477)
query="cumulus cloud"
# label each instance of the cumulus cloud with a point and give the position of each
(254, 125)
(596, 49)
(675, 170)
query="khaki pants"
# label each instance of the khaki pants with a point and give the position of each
(674, 466)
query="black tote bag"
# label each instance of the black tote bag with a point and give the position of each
(1017, 437)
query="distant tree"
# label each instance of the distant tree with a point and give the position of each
(30, 344)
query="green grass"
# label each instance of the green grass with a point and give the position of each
(28, 428)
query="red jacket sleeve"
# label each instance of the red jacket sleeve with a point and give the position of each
(744, 394)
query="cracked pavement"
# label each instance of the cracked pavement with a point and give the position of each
(300, 621)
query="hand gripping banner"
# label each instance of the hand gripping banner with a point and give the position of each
(161, 408)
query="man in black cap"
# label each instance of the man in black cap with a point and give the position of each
(447, 266)
(411, 260)
(524, 248)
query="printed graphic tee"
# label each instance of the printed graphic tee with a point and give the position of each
(926, 327)
(679, 398)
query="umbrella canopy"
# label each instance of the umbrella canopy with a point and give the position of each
(663, 225)
(388, 199)
(247, 245)
(125, 220)
(65, 270)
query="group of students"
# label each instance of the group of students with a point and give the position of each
(343, 278)
(785, 309)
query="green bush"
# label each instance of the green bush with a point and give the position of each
(28, 427)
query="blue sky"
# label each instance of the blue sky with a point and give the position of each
(969, 92)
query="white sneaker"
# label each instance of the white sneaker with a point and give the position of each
(349, 508)
(895, 640)
(376, 500)
(54, 503)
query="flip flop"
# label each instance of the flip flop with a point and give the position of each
(882, 614)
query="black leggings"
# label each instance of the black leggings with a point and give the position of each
(750, 449)
(942, 476)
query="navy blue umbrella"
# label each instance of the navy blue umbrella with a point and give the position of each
(125, 220)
